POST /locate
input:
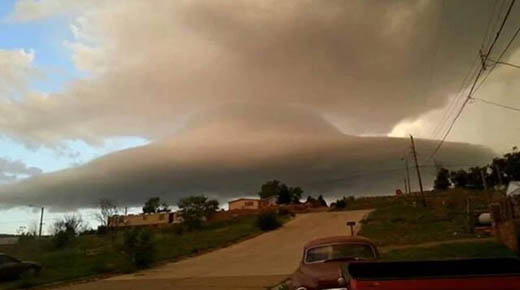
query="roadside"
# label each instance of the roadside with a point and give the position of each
(256, 263)
(404, 230)
(485, 248)
(98, 256)
(390, 248)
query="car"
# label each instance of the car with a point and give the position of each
(322, 261)
(12, 268)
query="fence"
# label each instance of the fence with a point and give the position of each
(506, 216)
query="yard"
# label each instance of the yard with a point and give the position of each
(403, 229)
(94, 254)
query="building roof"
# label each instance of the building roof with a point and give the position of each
(337, 239)
(243, 198)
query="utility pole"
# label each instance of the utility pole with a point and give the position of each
(41, 222)
(484, 184)
(499, 175)
(418, 172)
(482, 175)
(405, 186)
(407, 176)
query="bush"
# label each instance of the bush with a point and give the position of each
(178, 229)
(285, 212)
(62, 239)
(139, 245)
(102, 230)
(268, 221)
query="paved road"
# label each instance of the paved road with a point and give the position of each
(253, 264)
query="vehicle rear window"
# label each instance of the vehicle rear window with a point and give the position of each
(339, 251)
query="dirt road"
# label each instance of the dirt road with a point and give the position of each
(253, 264)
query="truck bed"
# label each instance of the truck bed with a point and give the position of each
(475, 274)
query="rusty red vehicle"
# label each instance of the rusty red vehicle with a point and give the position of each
(463, 274)
(352, 263)
(323, 259)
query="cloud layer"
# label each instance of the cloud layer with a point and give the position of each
(363, 65)
(10, 170)
(223, 162)
(235, 93)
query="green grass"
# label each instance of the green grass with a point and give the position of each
(453, 250)
(402, 220)
(400, 224)
(71, 262)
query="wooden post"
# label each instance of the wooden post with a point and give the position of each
(41, 222)
(423, 198)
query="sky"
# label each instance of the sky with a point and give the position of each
(127, 99)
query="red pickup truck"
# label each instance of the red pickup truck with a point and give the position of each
(466, 274)
(352, 263)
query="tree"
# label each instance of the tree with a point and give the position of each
(322, 201)
(66, 229)
(459, 178)
(107, 209)
(70, 224)
(296, 194)
(341, 203)
(270, 188)
(475, 178)
(197, 208)
(154, 205)
(442, 182)
(284, 195)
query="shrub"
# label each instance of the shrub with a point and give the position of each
(139, 245)
(268, 221)
(285, 212)
(102, 230)
(62, 239)
(178, 229)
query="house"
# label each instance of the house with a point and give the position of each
(152, 219)
(271, 201)
(245, 203)
(251, 203)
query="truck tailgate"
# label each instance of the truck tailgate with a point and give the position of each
(494, 273)
(473, 283)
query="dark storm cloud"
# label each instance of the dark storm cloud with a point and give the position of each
(319, 158)
(239, 92)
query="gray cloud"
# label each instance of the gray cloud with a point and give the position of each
(235, 93)
(10, 170)
(313, 155)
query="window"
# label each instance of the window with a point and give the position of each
(249, 203)
(161, 217)
(339, 252)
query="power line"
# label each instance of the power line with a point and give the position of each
(496, 104)
(500, 29)
(508, 64)
(453, 103)
(498, 60)
(468, 98)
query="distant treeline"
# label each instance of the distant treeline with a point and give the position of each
(499, 172)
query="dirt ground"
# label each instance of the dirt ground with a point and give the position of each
(257, 263)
